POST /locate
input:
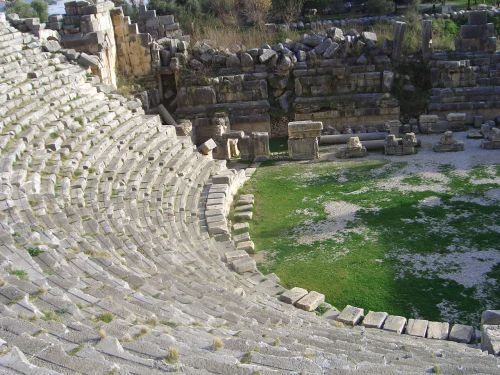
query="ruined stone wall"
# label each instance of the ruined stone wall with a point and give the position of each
(133, 48)
(341, 95)
(342, 80)
(89, 28)
(467, 80)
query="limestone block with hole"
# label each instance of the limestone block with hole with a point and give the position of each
(351, 315)
(375, 319)
(438, 330)
(395, 323)
(417, 327)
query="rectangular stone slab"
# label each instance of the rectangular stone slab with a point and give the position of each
(293, 295)
(241, 237)
(304, 129)
(311, 301)
(244, 265)
(417, 327)
(240, 216)
(490, 339)
(490, 317)
(246, 207)
(241, 227)
(438, 330)
(248, 246)
(395, 323)
(351, 315)
(461, 333)
(375, 319)
(215, 201)
(234, 255)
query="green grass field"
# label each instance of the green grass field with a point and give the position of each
(395, 254)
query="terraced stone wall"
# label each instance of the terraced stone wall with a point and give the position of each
(468, 80)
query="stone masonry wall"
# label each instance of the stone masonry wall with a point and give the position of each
(88, 28)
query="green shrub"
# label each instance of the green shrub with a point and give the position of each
(106, 317)
(379, 6)
(22, 9)
(34, 251)
(42, 9)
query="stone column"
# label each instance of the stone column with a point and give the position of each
(303, 139)
(399, 34)
(426, 39)
(261, 146)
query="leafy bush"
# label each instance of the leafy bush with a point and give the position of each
(42, 9)
(287, 10)
(23, 10)
(379, 6)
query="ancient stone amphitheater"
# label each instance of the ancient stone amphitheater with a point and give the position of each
(107, 266)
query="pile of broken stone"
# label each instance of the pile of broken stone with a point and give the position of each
(327, 44)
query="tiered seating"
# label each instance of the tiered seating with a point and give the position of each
(105, 261)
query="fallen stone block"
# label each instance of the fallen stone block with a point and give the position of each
(490, 339)
(311, 301)
(242, 237)
(461, 333)
(51, 46)
(248, 246)
(246, 207)
(293, 295)
(241, 227)
(490, 317)
(375, 319)
(417, 327)
(244, 265)
(231, 256)
(218, 227)
(395, 323)
(207, 147)
(438, 330)
(241, 216)
(351, 315)
(304, 129)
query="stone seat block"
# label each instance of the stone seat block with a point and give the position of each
(242, 237)
(438, 330)
(351, 315)
(244, 265)
(417, 327)
(234, 255)
(490, 317)
(293, 295)
(490, 339)
(461, 333)
(242, 216)
(395, 323)
(248, 246)
(247, 207)
(241, 227)
(375, 319)
(311, 301)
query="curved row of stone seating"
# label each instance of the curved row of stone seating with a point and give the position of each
(105, 258)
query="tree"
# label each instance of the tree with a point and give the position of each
(287, 10)
(378, 6)
(42, 9)
(22, 9)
